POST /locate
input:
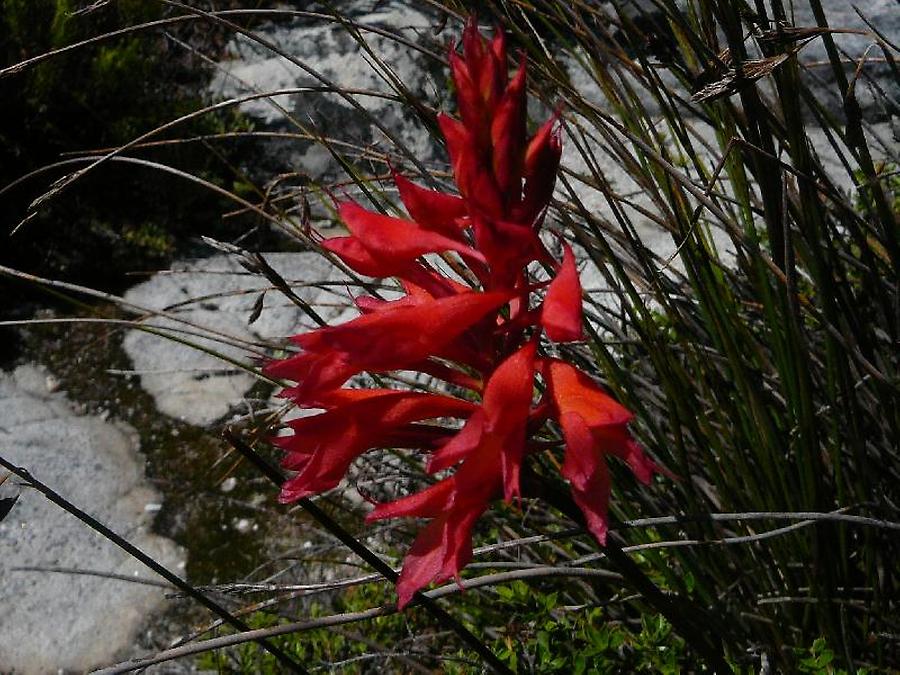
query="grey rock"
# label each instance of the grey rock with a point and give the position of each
(216, 297)
(327, 49)
(877, 89)
(55, 621)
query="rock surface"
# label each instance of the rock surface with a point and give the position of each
(216, 295)
(52, 622)
(332, 56)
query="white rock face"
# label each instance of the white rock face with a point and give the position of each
(216, 296)
(53, 621)
(651, 234)
(328, 50)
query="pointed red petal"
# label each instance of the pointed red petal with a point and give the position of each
(468, 97)
(440, 551)
(433, 210)
(392, 337)
(508, 138)
(561, 315)
(388, 238)
(541, 165)
(318, 372)
(424, 561)
(351, 251)
(508, 246)
(460, 446)
(616, 440)
(429, 503)
(460, 145)
(329, 442)
(471, 167)
(473, 45)
(507, 401)
(497, 49)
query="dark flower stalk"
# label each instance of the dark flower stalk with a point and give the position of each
(486, 340)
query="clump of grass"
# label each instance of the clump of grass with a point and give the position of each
(767, 379)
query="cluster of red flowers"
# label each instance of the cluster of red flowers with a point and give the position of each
(484, 339)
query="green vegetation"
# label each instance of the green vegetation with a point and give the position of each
(93, 98)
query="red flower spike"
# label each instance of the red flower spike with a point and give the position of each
(561, 315)
(484, 340)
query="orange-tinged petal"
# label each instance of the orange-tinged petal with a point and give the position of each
(585, 469)
(616, 440)
(573, 391)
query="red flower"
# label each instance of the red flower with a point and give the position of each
(486, 340)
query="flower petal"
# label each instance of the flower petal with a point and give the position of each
(471, 167)
(573, 391)
(508, 138)
(433, 210)
(440, 551)
(561, 315)
(392, 337)
(388, 238)
(507, 401)
(541, 165)
(351, 251)
(460, 446)
(468, 97)
(585, 469)
(428, 503)
(326, 444)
